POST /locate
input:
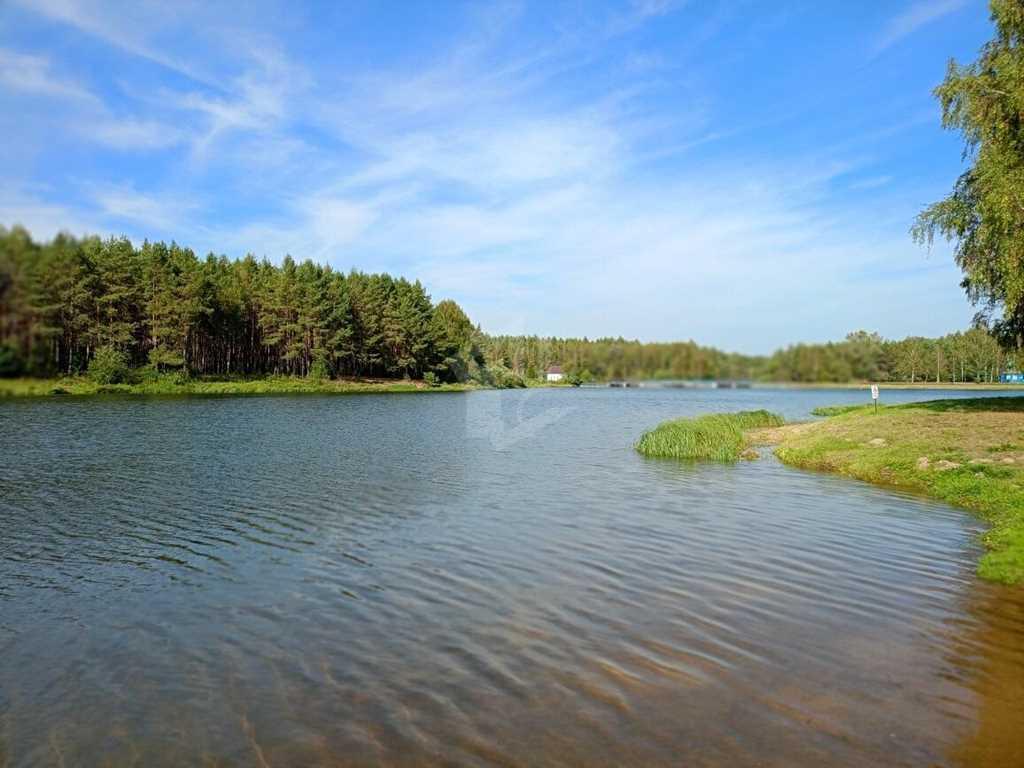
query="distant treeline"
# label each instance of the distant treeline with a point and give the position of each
(973, 355)
(70, 303)
(610, 359)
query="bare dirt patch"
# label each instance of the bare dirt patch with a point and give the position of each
(776, 435)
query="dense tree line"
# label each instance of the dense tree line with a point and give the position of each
(971, 356)
(73, 303)
(162, 307)
(609, 359)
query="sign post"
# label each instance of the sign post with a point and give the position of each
(874, 396)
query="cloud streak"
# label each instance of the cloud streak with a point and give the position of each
(119, 26)
(33, 74)
(912, 19)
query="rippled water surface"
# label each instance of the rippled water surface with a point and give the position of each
(492, 578)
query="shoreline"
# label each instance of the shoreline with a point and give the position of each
(967, 453)
(854, 385)
(272, 385)
(803, 385)
(82, 386)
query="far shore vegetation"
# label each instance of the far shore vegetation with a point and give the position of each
(126, 315)
(170, 385)
(145, 382)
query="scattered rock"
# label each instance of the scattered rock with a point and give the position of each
(923, 463)
(878, 442)
(981, 461)
(750, 454)
(1009, 460)
(942, 465)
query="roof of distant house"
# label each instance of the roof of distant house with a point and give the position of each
(554, 369)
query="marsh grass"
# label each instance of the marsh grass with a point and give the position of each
(715, 437)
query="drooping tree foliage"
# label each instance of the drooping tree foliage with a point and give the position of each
(161, 306)
(984, 214)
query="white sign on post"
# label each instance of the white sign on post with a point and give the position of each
(874, 391)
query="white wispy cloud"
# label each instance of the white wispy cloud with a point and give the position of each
(648, 8)
(122, 25)
(248, 94)
(31, 208)
(639, 12)
(912, 19)
(124, 204)
(34, 74)
(132, 134)
(871, 182)
(255, 101)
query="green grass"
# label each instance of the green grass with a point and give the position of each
(1003, 448)
(167, 385)
(964, 452)
(836, 410)
(716, 437)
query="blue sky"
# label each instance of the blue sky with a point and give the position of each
(739, 173)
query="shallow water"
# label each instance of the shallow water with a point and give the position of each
(490, 578)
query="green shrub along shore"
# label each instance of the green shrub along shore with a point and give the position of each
(715, 437)
(968, 452)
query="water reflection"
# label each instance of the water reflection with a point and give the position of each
(375, 580)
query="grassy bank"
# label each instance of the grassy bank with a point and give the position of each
(272, 385)
(969, 386)
(966, 452)
(716, 437)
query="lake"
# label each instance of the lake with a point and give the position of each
(489, 578)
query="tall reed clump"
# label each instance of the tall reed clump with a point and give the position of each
(715, 437)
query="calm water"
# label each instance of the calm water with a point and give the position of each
(493, 578)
